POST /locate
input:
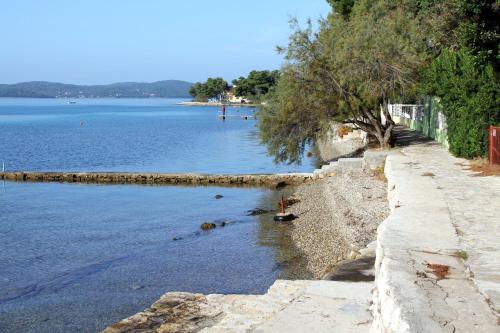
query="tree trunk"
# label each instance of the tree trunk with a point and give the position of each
(389, 123)
(374, 127)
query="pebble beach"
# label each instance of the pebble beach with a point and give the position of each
(337, 217)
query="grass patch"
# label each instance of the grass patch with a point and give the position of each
(379, 173)
(462, 254)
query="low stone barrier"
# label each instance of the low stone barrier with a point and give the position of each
(274, 180)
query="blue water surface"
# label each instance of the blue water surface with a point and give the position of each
(154, 135)
(76, 258)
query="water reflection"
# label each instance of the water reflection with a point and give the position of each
(289, 259)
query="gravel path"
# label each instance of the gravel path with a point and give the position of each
(338, 216)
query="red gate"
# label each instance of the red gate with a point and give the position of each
(494, 145)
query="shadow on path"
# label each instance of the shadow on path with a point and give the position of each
(404, 137)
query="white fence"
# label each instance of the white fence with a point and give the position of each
(408, 111)
(403, 113)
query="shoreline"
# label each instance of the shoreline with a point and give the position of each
(332, 226)
(250, 105)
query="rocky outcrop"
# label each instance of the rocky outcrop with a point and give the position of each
(172, 313)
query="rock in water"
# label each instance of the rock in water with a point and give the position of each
(218, 196)
(280, 185)
(291, 201)
(257, 211)
(208, 226)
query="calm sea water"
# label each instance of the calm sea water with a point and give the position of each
(130, 135)
(76, 258)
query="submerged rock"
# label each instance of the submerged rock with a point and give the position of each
(281, 185)
(257, 211)
(208, 226)
(137, 287)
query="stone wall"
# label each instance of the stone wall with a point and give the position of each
(333, 146)
(159, 178)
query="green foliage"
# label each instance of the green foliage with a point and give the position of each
(285, 131)
(343, 7)
(212, 88)
(457, 24)
(344, 72)
(257, 85)
(465, 73)
(370, 51)
(470, 95)
(479, 29)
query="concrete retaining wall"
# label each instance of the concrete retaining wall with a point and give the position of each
(333, 146)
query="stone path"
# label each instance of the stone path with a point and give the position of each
(438, 254)
(474, 206)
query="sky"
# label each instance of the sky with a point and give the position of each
(105, 41)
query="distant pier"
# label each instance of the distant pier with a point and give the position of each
(264, 180)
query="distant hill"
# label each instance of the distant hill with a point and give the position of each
(167, 88)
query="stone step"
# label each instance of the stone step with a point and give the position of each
(374, 159)
(350, 163)
(324, 307)
(297, 306)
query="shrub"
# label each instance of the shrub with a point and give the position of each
(470, 95)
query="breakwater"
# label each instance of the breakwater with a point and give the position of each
(264, 180)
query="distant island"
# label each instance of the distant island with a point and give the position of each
(43, 89)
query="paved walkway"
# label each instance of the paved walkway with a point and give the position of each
(438, 254)
(474, 207)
